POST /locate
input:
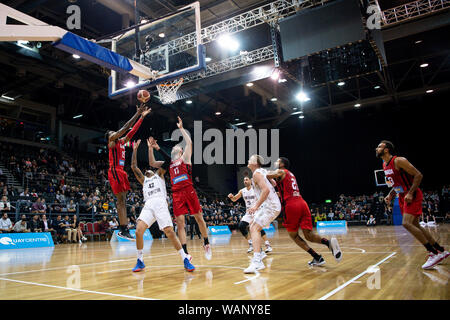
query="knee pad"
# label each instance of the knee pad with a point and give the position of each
(243, 227)
(263, 233)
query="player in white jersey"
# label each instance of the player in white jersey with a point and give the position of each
(155, 209)
(264, 211)
(249, 196)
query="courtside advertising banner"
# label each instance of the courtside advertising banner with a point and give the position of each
(25, 240)
(219, 230)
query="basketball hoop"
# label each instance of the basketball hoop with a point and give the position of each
(168, 90)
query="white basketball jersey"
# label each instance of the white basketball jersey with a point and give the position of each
(249, 197)
(272, 198)
(154, 187)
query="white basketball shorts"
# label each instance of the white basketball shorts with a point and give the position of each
(156, 210)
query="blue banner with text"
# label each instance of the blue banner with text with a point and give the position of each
(25, 240)
(219, 230)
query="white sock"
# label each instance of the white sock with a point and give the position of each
(267, 243)
(250, 241)
(182, 254)
(140, 255)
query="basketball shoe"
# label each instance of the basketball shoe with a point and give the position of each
(318, 262)
(124, 233)
(255, 265)
(139, 266)
(208, 252)
(335, 249)
(188, 265)
(433, 259)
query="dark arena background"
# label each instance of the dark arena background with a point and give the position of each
(327, 80)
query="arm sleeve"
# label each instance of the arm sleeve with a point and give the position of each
(135, 128)
(167, 159)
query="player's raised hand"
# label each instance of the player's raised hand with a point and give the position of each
(146, 112)
(150, 142)
(136, 144)
(180, 123)
(230, 196)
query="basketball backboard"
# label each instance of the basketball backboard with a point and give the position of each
(171, 47)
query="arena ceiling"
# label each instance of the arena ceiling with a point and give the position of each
(53, 77)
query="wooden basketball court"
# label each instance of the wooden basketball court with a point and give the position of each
(378, 263)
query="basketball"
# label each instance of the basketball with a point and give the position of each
(143, 96)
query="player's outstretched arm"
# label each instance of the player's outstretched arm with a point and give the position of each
(136, 126)
(164, 165)
(116, 135)
(403, 163)
(137, 172)
(277, 175)
(236, 197)
(151, 157)
(259, 181)
(188, 149)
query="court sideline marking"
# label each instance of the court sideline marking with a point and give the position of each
(329, 294)
(74, 289)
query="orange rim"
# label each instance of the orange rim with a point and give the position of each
(171, 84)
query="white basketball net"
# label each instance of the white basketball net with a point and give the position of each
(167, 91)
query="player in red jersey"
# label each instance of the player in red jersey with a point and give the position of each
(184, 197)
(118, 178)
(297, 214)
(405, 179)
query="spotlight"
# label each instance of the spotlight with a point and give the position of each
(218, 113)
(130, 84)
(273, 99)
(207, 59)
(418, 41)
(249, 126)
(281, 80)
(188, 101)
(430, 91)
(424, 65)
(237, 119)
(249, 84)
(301, 116)
(357, 105)
(161, 35)
(377, 87)
(275, 75)
(78, 116)
(76, 56)
(226, 41)
(340, 84)
(302, 97)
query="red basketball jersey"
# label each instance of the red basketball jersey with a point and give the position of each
(400, 180)
(117, 155)
(288, 187)
(180, 174)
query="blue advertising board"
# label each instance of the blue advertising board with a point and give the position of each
(25, 240)
(219, 230)
(332, 227)
(147, 236)
(397, 217)
(331, 224)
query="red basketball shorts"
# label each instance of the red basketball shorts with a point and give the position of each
(185, 201)
(415, 207)
(118, 179)
(297, 215)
